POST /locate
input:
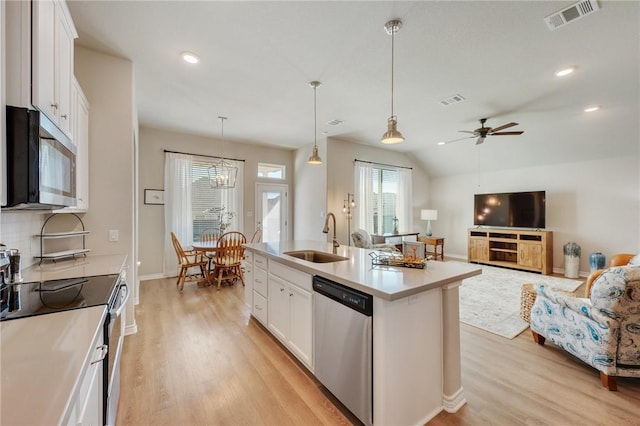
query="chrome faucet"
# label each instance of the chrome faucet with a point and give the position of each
(326, 230)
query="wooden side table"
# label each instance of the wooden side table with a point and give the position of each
(434, 242)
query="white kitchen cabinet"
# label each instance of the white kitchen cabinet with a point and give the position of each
(260, 290)
(247, 265)
(259, 308)
(278, 307)
(88, 406)
(80, 137)
(53, 33)
(80, 125)
(290, 313)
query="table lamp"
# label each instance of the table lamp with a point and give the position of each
(428, 215)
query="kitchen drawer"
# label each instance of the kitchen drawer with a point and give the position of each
(260, 261)
(260, 308)
(293, 276)
(248, 256)
(260, 281)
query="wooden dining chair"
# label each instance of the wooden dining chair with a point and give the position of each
(228, 257)
(189, 259)
(209, 234)
(257, 236)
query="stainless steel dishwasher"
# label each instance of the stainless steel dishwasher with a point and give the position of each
(343, 349)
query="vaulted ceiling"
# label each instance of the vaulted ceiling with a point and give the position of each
(258, 57)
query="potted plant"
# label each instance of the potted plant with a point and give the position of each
(571, 259)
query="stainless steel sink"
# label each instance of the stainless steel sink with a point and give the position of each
(315, 256)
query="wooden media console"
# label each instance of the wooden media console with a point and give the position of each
(517, 249)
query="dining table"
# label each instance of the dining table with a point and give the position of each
(206, 247)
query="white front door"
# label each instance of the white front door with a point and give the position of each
(271, 211)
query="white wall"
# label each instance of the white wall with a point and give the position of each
(152, 144)
(595, 203)
(108, 83)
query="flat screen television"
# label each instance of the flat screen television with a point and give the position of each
(510, 209)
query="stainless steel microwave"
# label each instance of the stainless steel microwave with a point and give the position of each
(41, 162)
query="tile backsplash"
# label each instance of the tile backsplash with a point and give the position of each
(18, 230)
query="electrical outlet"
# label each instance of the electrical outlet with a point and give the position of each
(113, 235)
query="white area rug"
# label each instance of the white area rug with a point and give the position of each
(491, 301)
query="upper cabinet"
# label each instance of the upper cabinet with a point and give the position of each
(52, 38)
(80, 132)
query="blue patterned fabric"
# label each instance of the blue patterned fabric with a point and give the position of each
(603, 331)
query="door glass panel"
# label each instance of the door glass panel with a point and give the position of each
(271, 216)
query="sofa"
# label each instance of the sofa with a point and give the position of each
(602, 330)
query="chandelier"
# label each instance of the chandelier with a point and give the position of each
(222, 175)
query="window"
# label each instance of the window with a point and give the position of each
(213, 208)
(192, 205)
(383, 195)
(385, 190)
(271, 171)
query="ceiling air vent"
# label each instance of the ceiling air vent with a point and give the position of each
(452, 100)
(334, 122)
(571, 13)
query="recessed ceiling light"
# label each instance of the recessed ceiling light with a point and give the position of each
(441, 143)
(592, 108)
(190, 57)
(566, 71)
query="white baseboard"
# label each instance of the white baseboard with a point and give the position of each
(152, 277)
(130, 329)
(452, 403)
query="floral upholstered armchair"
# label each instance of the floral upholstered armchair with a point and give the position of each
(602, 330)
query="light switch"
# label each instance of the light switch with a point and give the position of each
(113, 235)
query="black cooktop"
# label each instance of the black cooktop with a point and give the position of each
(29, 299)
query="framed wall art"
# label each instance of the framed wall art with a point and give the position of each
(154, 196)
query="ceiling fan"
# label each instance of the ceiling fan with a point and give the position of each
(482, 132)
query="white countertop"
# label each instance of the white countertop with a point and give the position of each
(386, 282)
(42, 359)
(89, 266)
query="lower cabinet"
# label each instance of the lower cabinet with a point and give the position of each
(290, 315)
(247, 266)
(88, 407)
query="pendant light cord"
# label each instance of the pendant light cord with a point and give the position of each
(393, 33)
(315, 117)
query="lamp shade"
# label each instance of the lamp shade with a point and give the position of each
(429, 214)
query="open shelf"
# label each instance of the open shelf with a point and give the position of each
(62, 254)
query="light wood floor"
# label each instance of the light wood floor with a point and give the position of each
(198, 359)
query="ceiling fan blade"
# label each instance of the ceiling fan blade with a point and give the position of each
(507, 133)
(504, 126)
(467, 131)
(480, 140)
(456, 140)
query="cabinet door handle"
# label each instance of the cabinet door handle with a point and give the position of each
(290, 294)
(258, 281)
(54, 106)
(258, 308)
(281, 289)
(104, 349)
(64, 116)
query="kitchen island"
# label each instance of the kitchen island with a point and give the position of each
(416, 333)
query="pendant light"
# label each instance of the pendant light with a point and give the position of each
(315, 158)
(392, 135)
(222, 175)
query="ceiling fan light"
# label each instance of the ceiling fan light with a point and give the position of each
(392, 135)
(592, 108)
